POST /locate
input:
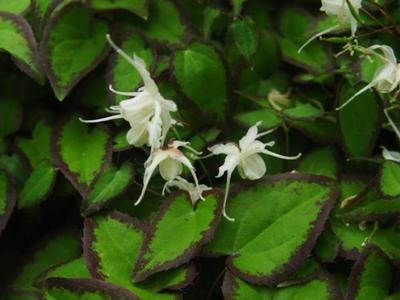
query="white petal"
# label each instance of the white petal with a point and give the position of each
(151, 164)
(186, 162)
(270, 153)
(390, 155)
(230, 163)
(388, 53)
(228, 148)
(154, 128)
(170, 168)
(250, 136)
(137, 135)
(228, 182)
(253, 166)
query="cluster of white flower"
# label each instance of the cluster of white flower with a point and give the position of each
(148, 114)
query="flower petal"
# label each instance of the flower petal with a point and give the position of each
(253, 166)
(230, 163)
(170, 168)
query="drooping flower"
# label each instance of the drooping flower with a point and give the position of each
(195, 192)
(386, 78)
(341, 10)
(245, 157)
(147, 112)
(169, 161)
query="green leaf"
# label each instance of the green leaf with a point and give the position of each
(359, 121)
(120, 143)
(75, 268)
(210, 15)
(293, 27)
(61, 248)
(7, 199)
(10, 116)
(370, 276)
(164, 24)
(111, 183)
(303, 110)
(245, 36)
(320, 130)
(84, 289)
(389, 179)
(38, 185)
(237, 6)
(327, 246)
(370, 206)
(200, 75)
(16, 7)
(161, 251)
(17, 39)
(74, 43)
(320, 161)
(111, 247)
(81, 154)
(270, 118)
(37, 148)
(138, 7)
(14, 167)
(41, 10)
(272, 235)
(320, 288)
(123, 76)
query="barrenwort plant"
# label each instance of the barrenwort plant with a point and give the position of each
(172, 149)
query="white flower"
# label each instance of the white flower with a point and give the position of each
(390, 155)
(195, 192)
(147, 112)
(245, 157)
(386, 78)
(169, 162)
(341, 10)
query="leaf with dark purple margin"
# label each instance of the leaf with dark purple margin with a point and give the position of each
(81, 154)
(38, 185)
(321, 287)
(370, 206)
(270, 222)
(138, 7)
(36, 148)
(370, 277)
(200, 76)
(16, 7)
(75, 268)
(83, 289)
(389, 179)
(7, 199)
(122, 75)
(18, 40)
(360, 121)
(165, 25)
(321, 161)
(59, 249)
(107, 186)
(74, 43)
(327, 246)
(161, 249)
(111, 245)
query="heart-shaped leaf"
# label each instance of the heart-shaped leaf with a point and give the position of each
(323, 287)
(164, 24)
(37, 148)
(59, 249)
(79, 153)
(38, 185)
(360, 121)
(389, 179)
(74, 43)
(321, 161)
(16, 7)
(82, 289)
(7, 199)
(195, 227)
(111, 183)
(111, 248)
(245, 36)
(370, 276)
(138, 7)
(18, 40)
(277, 222)
(123, 76)
(200, 76)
